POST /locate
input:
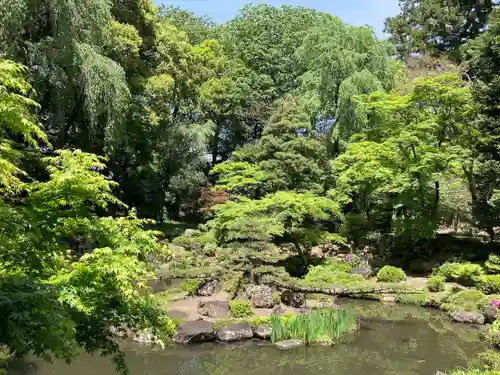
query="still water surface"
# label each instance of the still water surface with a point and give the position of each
(391, 341)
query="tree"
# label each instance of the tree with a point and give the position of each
(482, 55)
(339, 61)
(437, 26)
(54, 299)
(289, 156)
(302, 219)
(410, 145)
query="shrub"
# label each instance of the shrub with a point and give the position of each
(391, 274)
(436, 283)
(492, 334)
(240, 309)
(332, 272)
(190, 286)
(466, 300)
(492, 265)
(326, 325)
(489, 284)
(463, 273)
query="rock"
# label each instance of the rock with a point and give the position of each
(214, 309)
(467, 317)
(235, 332)
(145, 336)
(440, 373)
(365, 272)
(194, 332)
(289, 344)
(293, 299)
(263, 332)
(207, 288)
(260, 296)
(491, 314)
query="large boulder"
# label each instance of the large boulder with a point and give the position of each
(289, 344)
(235, 332)
(491, 314)
(467, 317)
(194, 332)
(365, 272)
(293, 299)
(214, 309)
(207, 288)
(260, 296)
(263, 331)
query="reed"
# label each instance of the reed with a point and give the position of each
(324, 325)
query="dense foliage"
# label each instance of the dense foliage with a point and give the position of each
(283, 133)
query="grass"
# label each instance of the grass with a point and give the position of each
(314, 326)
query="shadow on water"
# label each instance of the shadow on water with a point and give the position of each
(413, 342)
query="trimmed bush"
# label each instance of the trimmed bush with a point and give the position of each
(492, 265)
(489, 284)
(240, 309)
(391, 274)
(463, 273)
(436, 283)
(332, 272)
(466, 300)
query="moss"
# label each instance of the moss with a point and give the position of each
(390, 274)
(465, 300)
(489, 284)
(436, 283)
(462, 273)
(418, 299)
(240, 309)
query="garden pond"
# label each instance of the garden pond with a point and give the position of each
(392, 339)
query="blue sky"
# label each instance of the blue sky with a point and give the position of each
(355, 12)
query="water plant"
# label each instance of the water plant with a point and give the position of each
(391, 274)
(322, 325)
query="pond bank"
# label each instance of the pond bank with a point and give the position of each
(392, 340)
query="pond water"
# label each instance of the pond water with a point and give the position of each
(398, 340)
